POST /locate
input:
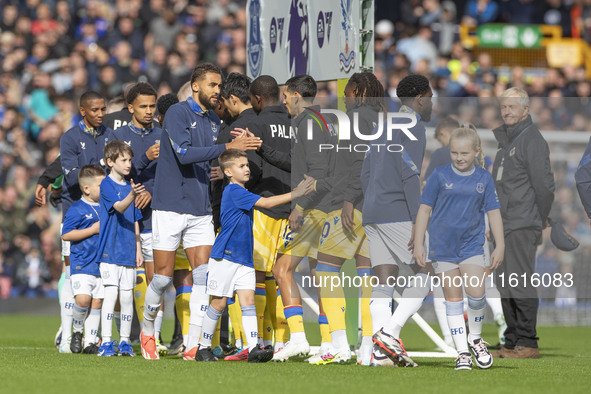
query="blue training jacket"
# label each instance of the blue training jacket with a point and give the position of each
(182, 174)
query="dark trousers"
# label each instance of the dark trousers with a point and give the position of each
(518, 297)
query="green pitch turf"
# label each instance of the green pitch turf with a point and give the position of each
(30, 364)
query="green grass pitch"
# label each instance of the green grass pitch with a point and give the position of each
(30, 364)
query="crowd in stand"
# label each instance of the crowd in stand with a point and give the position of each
(52, 51)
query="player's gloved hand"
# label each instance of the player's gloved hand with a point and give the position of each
(55, 197)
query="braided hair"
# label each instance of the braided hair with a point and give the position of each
(368, 89)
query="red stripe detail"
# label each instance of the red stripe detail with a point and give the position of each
(321, 117)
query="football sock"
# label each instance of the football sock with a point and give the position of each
(366, 326)
(440, 312)
(260, 302)
(381, 306)
(181, 303)
(158, 324)
(67, 306)
(60, 285)
(78, 317)
(91, 326)
(281, 329)
(215, 341)
(410, 303)
(333, 298)
(236, 320)
(339, 340)
(126, 301)
(493, 297)
(457, 325)
(154, 294)
(139, 293)
(107, 312)
(198, 304)
(210, 321)
(249, 324)
(295, 315)
(476, 308)
(267, 328)
(324, 329)
(270, 316)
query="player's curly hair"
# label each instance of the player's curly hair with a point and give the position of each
(411, 86)
(140, 88)
(164, 102)
(368, 89)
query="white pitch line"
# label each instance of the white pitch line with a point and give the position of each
(26, 348)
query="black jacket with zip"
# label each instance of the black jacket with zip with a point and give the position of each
(523, 177)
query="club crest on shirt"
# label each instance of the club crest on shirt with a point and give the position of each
(480, 188)
(213, 284)
(76, 285)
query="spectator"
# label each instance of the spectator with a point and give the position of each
(479, 12)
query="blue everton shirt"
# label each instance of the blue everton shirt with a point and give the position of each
(82, 214)
(117, 233)
(142, 169)
(235, 240)
(459, 201)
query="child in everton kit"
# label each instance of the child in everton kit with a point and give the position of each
(119, 249)
(231, 266)
(458, 194)
(81, 228)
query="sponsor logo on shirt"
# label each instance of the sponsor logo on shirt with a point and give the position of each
(83, 145)
(449, 186)
(88, 216)
(193, 125)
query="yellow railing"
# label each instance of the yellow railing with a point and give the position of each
(559, 51)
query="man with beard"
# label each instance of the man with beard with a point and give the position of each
(181, 201)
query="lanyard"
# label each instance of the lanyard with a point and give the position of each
(500, 170)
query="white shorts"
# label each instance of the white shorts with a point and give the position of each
(169, 228)
(224, 277)
(146, 243)
(65, 244)
(87, 284)
(444, 266)
(388, 243)
(118, 275)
